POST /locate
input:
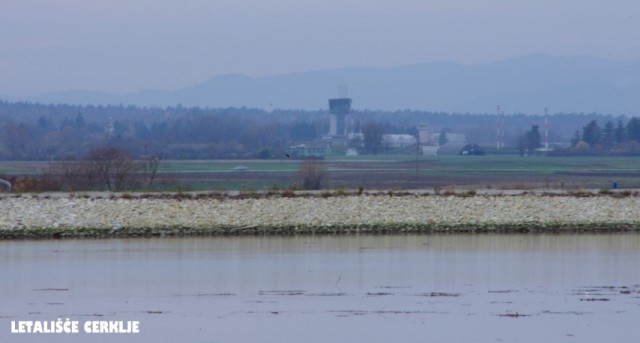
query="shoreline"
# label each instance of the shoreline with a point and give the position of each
(124, 215)
(382, 229)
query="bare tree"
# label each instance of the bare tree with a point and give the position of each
(123, 169)
(17, 137)
(149, 170)
(107, 168)
(113, 167)
(312, 173)
(75, 175)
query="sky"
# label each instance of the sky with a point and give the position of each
(121, 46)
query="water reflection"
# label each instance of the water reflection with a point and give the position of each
(374, 288)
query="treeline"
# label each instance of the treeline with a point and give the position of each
(208, 136)
(68, 132)
(621, 138)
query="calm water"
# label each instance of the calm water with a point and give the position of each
(453, 288)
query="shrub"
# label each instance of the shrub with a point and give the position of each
(312, 174)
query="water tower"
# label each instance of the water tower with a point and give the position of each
(338, 108)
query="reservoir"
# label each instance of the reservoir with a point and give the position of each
(395, 288)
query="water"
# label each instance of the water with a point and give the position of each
(453, 288)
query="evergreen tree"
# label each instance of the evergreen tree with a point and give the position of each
(372, 134)
(633, 129)
(620, 133)
(609, 135)
(442, 139)
(576, 138)
(522, 144)
(79, 122)
(591, 133)
(533, 138)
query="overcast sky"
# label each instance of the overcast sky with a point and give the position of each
(125, 45)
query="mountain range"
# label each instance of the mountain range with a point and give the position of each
(524, 84)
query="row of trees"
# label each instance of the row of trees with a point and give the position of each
(113, 169)
(105, 168)
(37, 131)
(611, 139)
(610, 135)
(42, 132)
(181, 138)
(529, 141)
(201, 137)
(477, 126)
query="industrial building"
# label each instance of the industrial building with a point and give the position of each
(304, 150)
(398, 141)
(338, 109)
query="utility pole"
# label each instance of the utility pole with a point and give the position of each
(546, 129)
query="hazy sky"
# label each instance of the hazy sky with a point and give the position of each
(125, 45)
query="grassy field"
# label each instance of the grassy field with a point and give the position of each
(393, 172)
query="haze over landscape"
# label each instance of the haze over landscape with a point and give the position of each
(294, 54)
(250, 79)
(521, 85)
(455, 170)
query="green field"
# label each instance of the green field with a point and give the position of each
(391, 172)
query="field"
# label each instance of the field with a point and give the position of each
(392, 172)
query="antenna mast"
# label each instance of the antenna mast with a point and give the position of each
(546, 128)
(500, 130)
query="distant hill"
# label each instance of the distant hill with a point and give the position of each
(520, 85)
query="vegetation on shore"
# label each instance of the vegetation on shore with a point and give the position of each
(399, 172)
(346, 229)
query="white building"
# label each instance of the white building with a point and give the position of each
(398, 141)
(456, 138)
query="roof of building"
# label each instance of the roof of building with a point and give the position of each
(450, 149)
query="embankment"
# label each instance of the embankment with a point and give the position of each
(105, 215)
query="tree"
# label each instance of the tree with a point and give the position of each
(633, 129)
(44, 125)
(372, 134)
(591, 133)
(522, 144)
(17, 138)
(528, 141)
(149, 168)
(609, 135)
(303, 131)
(79, 122)
(577, 138)
(112, 166)
(265, 153)
(442, 139)
(312, 173)
(620, 133)
(533, 138)
(76, 175)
